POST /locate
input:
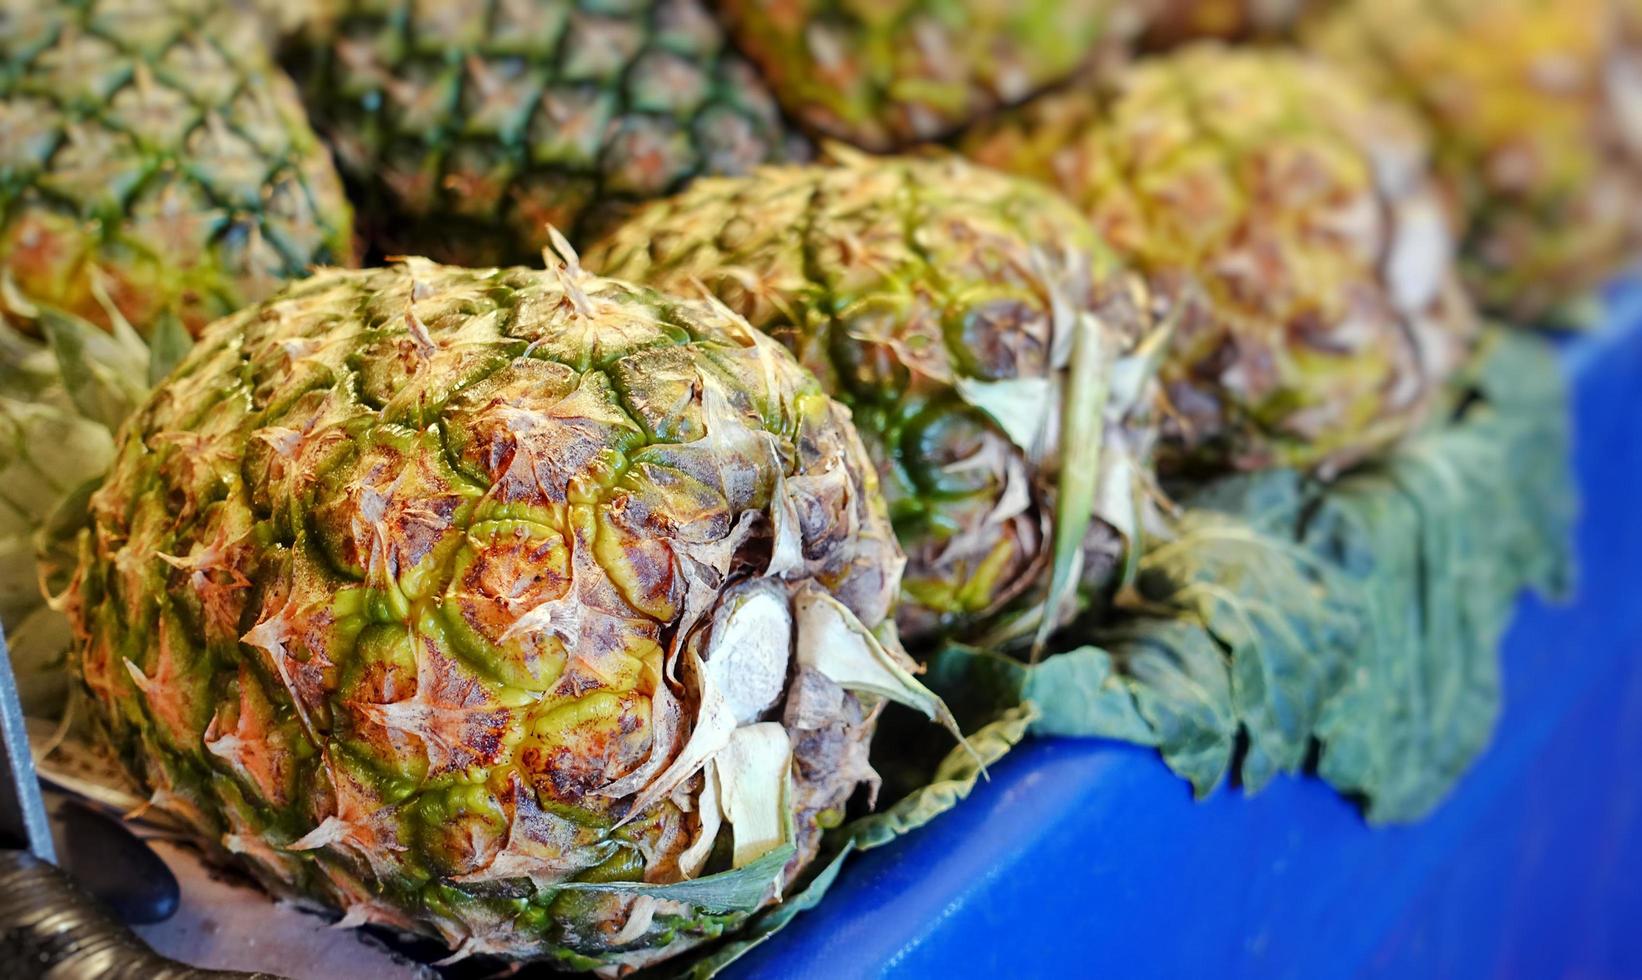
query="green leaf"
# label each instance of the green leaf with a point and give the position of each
(1437, 546)
(1362, 616)
(59, 401)
(1181, 684)
(104, 374)
(168, 343)
(45, 454)
(1076, 693)
(49, 455)
(1077, 478)
(38, 643)
(1270, 606)
(28, 369)
(768, 923)
(738, 890)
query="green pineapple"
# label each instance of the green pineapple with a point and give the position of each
(886, 73)
(1293, 226)
(528, 610)
(943, 304)
(471, 125)
(154, 165)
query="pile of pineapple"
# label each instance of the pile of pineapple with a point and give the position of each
(546, 603)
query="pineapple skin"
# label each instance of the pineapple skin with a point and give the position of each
(904, 283)
(1536, 111)
(888, 73)
(469, 126)
(1290, 223)
(151, 151)
(388, 588)
(1170, 23)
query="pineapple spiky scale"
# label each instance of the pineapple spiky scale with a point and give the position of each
(1291, 222)
(434, 592)
(886, 74)
(471, 125)
(939, 301)
(1538, 138)
(153, 158)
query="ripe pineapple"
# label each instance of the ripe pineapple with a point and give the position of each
(529, 610)
(471, 125)
(1537, 110)
(1290, 221)
(153, 162)
(942, 303)
(885, 74)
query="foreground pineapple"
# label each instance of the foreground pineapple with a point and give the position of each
(889, 73)
(495, 605)
(154, 163)
(943, 303)
(1537, 110)
(471, 125)
(1291, 222)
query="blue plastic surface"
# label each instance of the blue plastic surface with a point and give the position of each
(1089, 859)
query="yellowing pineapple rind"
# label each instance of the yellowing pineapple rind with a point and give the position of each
(406, 588)
(1292, 224)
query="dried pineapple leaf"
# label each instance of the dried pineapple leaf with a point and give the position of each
(1132, 375)
(1021, 407)
(711, 813)
(748, 648)
(834, 642)
(754, 774)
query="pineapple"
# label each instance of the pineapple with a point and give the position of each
(537, 612)
(471, 125)
(889, 73)
(154, 165)
(1291, 223)
(941, 303)
(1537, 110)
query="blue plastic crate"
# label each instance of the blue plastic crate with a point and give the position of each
(1087, 859)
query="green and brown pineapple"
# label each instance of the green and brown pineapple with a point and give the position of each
(943, 303)
(530, 610)
(885, 73)
(1536, 109)
(153, 162)
(471, 125)
(1292, 225)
